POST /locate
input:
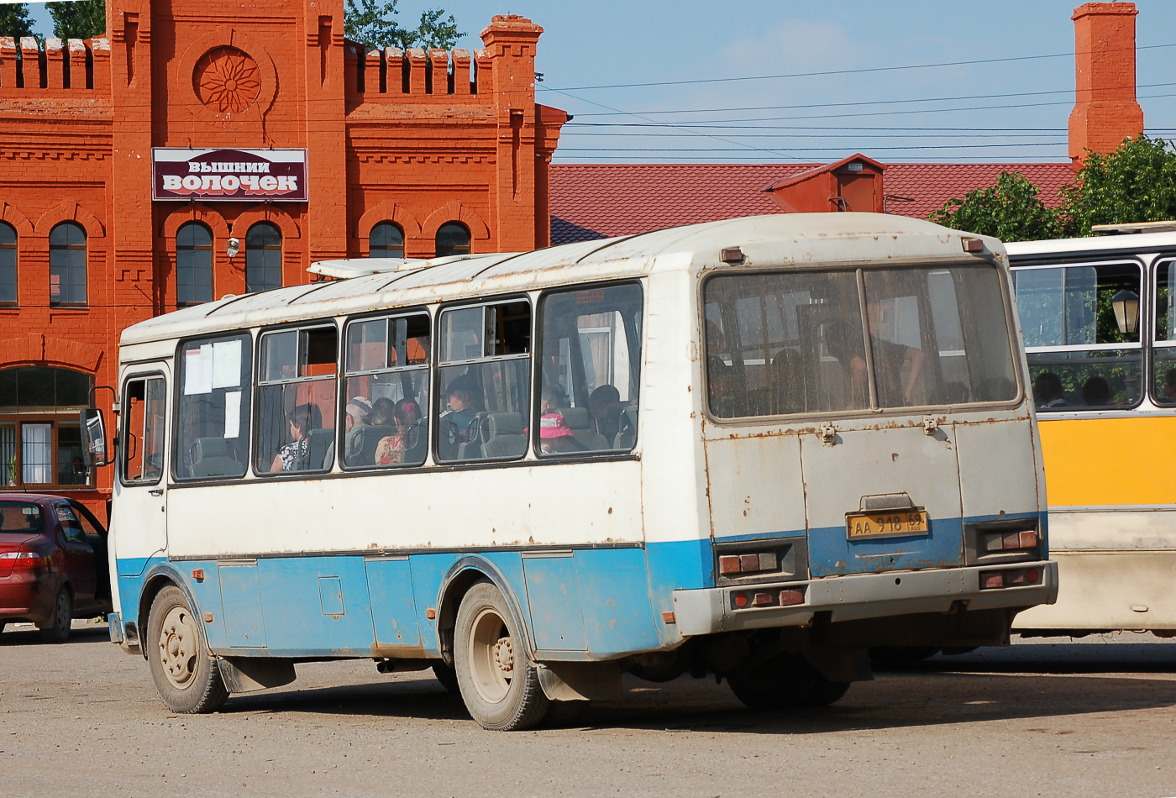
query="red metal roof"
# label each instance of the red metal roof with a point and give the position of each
(603, 200)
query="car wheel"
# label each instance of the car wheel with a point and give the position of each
(59, 625)
(187, 677)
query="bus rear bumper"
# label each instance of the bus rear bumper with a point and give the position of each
(862, 596)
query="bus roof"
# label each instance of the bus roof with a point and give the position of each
(794, 238)
(1095, 245)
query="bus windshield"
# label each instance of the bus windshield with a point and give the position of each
(807, 342)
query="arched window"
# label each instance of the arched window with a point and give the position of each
(386, 241)
(7, 264)
(263, 257)
(40, 438)
(193, 264)
(67, 264)
(453, 239)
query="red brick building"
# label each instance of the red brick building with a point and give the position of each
(203, 149)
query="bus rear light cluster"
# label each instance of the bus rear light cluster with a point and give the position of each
(1010, 541)
(764, 598)
(995, 580)
(730, 564)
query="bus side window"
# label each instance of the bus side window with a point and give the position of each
(144, 423)
(387, 366)
(296, 400)
(213, 411)
(591, 352)
(485, 369)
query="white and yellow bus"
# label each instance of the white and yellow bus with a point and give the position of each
(1099, 319)
(751, 449)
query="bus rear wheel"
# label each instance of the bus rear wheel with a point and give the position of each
(785, 681)
(497, 679)
(186, 675)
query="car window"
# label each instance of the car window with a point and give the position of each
(90, 525)
(20, 516)
(69, 522)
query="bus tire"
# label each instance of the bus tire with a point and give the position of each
(497, 679)
(826, 692)
(187, 677)
(785, 681)
(446, 675)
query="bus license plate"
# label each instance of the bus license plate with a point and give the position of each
(888, 524)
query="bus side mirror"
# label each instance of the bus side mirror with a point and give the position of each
(94, 440)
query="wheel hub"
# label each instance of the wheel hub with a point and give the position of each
(177, 647)
(504, 656)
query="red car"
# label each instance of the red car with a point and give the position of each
(52, 563)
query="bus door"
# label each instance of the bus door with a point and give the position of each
(138, 530)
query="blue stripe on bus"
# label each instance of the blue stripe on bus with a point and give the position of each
(595, 601)
(592, 602)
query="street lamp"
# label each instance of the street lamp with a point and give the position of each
(1126, 306)
(232, 247)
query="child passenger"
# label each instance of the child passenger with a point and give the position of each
(391, 448)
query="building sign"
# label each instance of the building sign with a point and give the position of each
(208, 175)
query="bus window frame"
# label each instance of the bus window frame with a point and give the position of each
(122, 438)
(1144, 346)
(259, 382)
(439, 397)
(248, 340)
(634, 330)
(429, 367)
(859, 270)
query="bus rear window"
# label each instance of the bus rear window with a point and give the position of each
(809, 342)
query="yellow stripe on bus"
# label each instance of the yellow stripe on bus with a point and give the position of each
(1110, 461)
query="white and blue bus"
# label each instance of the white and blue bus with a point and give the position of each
(751, 448)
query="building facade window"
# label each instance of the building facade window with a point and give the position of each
(386, 241)
(67, 264)
(40, 438)
(453, 238)
(7, 264)
(263, 257)
(193, 264)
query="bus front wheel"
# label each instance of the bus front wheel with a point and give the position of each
(497, 679)
(186, 675)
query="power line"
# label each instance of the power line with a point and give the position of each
(862, 71)
(872, 102)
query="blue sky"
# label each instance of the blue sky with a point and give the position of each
(964, 100)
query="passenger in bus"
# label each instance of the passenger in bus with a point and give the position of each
(391, 448)
(358, 411)
(461, 412)
(1170, 385)
(1096, 392)
(1047, 391)
(604, 405)
(555, 436)
(295, 456)
(788, 383)
(890, 358)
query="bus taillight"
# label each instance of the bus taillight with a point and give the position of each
(994, 580)
(1011, 541)
(763, 598)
